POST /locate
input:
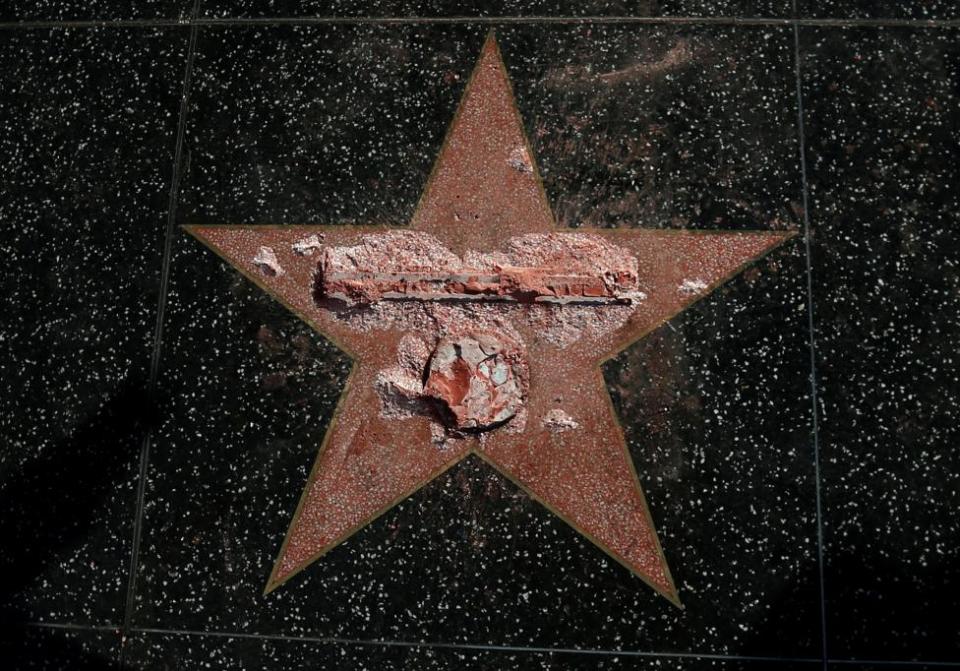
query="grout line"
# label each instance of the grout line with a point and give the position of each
(467, 646)
(171, 228)
(105, 23)
(482, 647)
(483, 20)
(814, 398)
(142, 468)
(73, 627)
(896, 663)
(653, 20)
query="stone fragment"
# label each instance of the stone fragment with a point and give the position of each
(519, 160)
(478, 380)
(690, 287)
(558, 420)
(400, 387)
(308, 245)
(266, 260)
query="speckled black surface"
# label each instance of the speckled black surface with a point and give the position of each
(882, 111)
(89, 122)
(305, 124)
(633, 124)
(889, 666)
(174, 651)
(52, 649)
(646, 125)
(470, 8)
(94, 10)
(879, 9)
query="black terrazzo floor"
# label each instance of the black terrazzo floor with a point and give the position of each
(160, 413)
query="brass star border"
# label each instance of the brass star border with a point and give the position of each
(484, 190)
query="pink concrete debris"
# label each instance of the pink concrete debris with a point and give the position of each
(308, 245)
(266, 260)
(519, 160)
(400, 387)
(691, 287)
(551, 268)
(479, 379)
(558, 420)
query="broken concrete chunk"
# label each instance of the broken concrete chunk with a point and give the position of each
(469, 350)
(690, 287)
(488, 343)
(519, 160)
(550, 268)
(500, 373)
(308, 245)
(266, 260)
(478, 391)
(558, 420)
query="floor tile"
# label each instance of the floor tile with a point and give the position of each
(882, 117)
(51, 649)
(878, 9)
(550, 8)
(89, 119)
(93, 10)
(721, 435)
(888, 666)
(156, 651)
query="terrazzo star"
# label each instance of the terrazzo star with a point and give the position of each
(479, 329)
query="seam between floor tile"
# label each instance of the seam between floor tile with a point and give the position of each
(636, 20)
(487, 648)
(467, 646)
(573, 20)
(73, 627)
(814, 398)
(896, 662)
(170, 231)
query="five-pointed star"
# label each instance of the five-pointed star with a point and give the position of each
(477, 198)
